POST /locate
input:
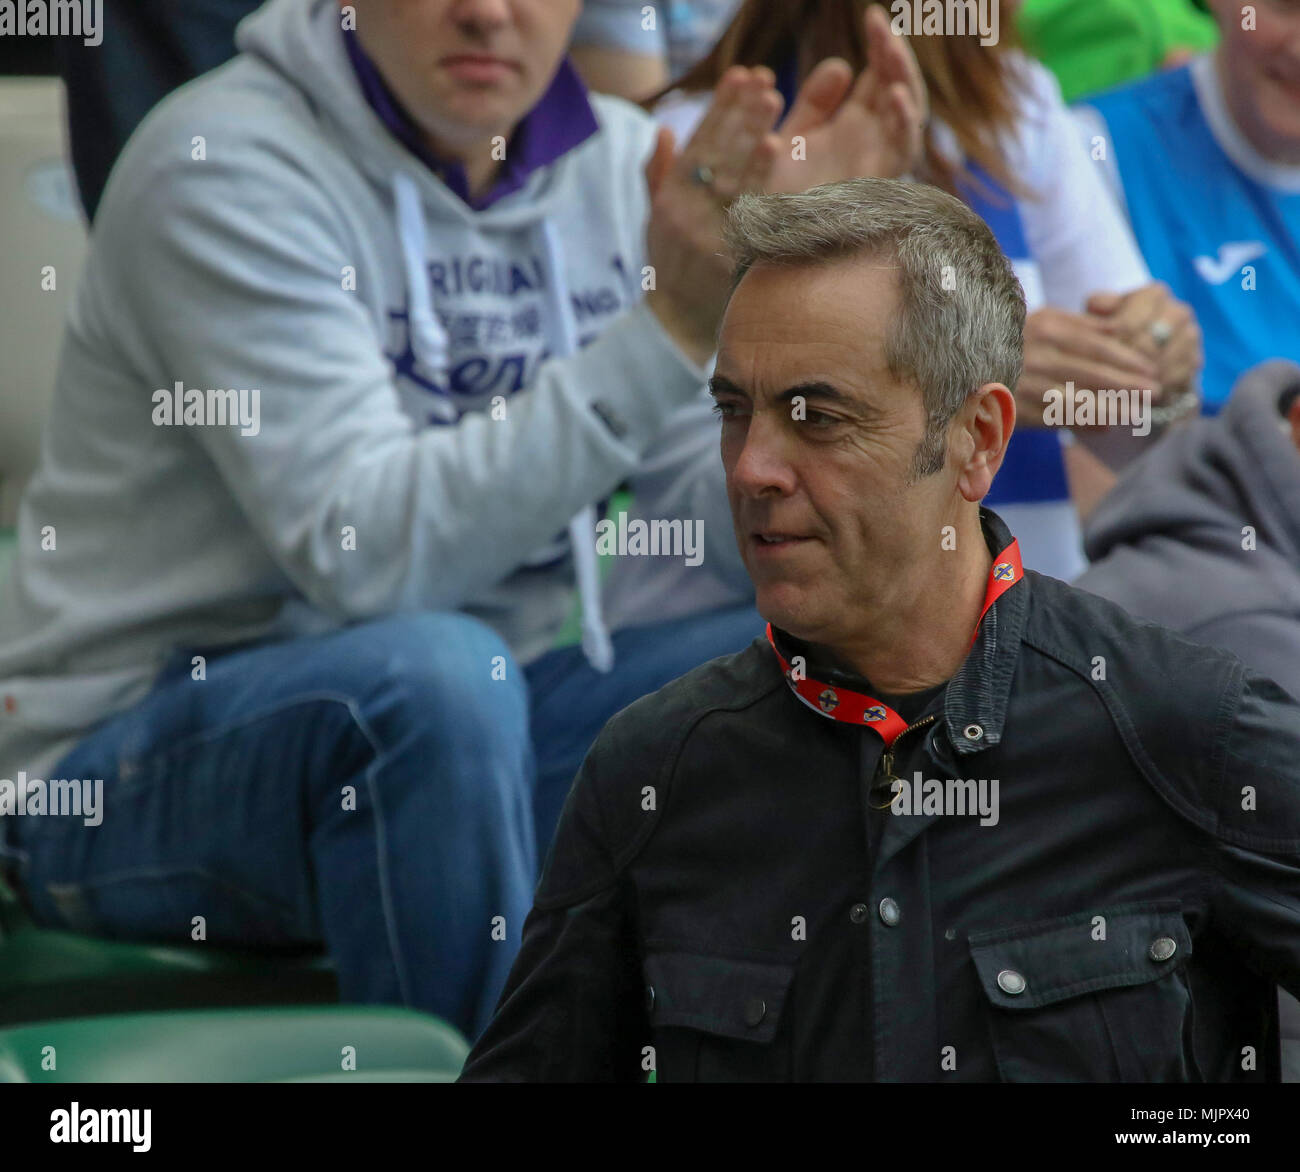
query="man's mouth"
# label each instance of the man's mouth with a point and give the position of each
(478, 67)
(773, 540)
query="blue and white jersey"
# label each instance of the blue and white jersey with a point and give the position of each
(1066, 240)
(1217, 222)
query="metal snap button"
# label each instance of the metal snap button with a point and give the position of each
(1011, 982)
(889, 912)
(649, 998)
(1163, 948)
(973, 732)
(859, 912)
(755, 1011)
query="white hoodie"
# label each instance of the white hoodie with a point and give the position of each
(263, 230)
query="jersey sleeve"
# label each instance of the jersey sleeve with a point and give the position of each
(1073, 225)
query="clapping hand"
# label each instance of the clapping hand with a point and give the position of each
(877, 129)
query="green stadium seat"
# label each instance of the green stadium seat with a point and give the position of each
(305, 1044)
(47, 974)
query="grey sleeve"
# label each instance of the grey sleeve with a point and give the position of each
(1268, 643)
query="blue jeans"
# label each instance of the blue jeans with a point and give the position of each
(375, 790)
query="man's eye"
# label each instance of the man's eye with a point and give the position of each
(724, 410)
(820, 419)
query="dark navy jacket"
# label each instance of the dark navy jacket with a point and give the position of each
(722, 902)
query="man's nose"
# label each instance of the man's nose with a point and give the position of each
(763, 465)
(481, 15)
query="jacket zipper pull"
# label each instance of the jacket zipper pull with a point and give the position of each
(882, 785)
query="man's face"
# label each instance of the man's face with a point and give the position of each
(466, 69)
(832, 488)
(1261, 71)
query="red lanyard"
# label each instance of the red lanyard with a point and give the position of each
(840, 703)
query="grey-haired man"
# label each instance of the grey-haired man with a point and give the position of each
(950, 819)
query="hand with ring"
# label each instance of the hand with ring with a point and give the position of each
(1154, 322)
(731, 149)
(729, 153)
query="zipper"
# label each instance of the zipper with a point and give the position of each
(886, 764)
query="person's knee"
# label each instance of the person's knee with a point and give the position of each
(447, 680)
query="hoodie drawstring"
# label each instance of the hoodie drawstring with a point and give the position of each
(428, 338)
(596, 645)
(429, 343)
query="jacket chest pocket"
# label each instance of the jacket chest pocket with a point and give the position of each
(1099, 997)
(718, 1019)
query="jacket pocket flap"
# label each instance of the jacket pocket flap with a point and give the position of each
(1026, 966)
(720, 995)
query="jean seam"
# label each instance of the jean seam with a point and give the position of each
(282, 910)
(215, 733)
(385, 888)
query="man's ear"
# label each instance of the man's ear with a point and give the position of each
(984, 426)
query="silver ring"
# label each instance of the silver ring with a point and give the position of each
(1161, 331)
(703, 175)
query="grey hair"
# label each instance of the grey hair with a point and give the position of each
(962, 316)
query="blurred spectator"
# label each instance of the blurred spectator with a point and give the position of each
(284, 623)
(1206, 160)
(1091, 45)
(1203, 535)
(631, 48)
(150, 48)
(153, 46)
(1000, 137)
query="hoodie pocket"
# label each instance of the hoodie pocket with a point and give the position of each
(1097, 997)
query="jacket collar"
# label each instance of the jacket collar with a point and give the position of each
(975, 703)
(977, 696)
